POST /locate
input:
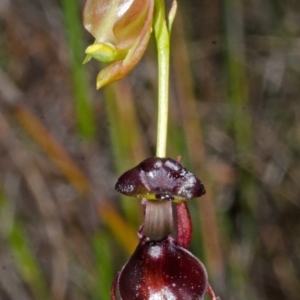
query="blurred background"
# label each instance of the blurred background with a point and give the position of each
(234, 118)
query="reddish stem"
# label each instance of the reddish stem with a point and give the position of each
(184, 222)
(113, 288)
(184, 225)
(211, 293)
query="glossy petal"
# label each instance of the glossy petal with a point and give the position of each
(161, 270)
(160, 178)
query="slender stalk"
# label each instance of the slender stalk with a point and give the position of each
(158, 215)
(163, 50)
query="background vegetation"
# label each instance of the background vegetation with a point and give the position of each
(234, 118)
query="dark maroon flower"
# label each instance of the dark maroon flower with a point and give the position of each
(160, 179)
(162, 270)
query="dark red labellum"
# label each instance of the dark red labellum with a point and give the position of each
(160, 179)
(162, 270)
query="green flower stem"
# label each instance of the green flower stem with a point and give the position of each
(158, 216)
(163, 48)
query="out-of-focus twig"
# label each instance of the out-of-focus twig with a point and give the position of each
(54, 150)
(11, 97)
(195, 148)
(44, 202)
(128, 146)
(10, 283)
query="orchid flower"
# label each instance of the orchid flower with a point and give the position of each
(121, 29)
(161, 266)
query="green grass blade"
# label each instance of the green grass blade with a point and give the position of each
(79, 73)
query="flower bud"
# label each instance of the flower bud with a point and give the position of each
(161, 270)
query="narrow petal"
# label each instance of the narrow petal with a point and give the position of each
(105, 52)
